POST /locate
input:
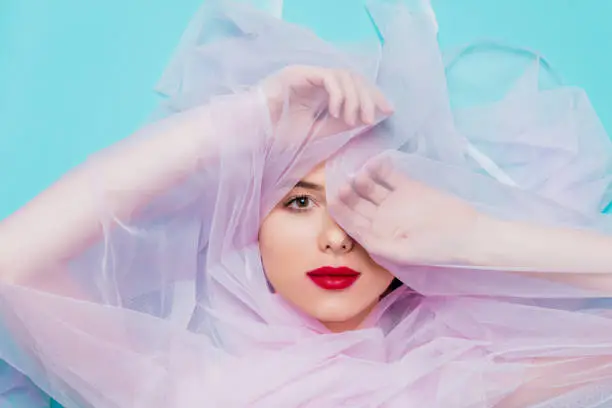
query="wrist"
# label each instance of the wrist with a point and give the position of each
(484, 243)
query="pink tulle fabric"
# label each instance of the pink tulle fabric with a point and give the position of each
(178, 312)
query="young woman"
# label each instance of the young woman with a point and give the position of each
(316, 240)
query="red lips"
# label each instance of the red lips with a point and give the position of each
(330, 278)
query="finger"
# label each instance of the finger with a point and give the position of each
(383, 173)
(365, 208)
(349, 197)
(336, 94)
(369, 189)
(382, 103)
(367, 104)
(352, 221)
(351, 97)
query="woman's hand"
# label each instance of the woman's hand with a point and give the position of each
(308, 92)
(405, 221)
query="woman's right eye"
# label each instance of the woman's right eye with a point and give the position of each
(299, 203)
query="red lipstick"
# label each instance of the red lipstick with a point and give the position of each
(330, 278)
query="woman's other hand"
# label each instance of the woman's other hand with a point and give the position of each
(313, 91)
(406, 221)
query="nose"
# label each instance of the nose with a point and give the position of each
(333, 239)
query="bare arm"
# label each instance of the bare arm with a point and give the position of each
(65, 218)
(430, 226)
(74, 340)
(570, 255)
(576, 257)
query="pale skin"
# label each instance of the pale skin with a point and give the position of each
(62, 221)
(438, 228)
(299, 235)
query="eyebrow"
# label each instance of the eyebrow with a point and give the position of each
(309, 185)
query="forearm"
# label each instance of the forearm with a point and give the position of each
(573, 256)
(544, 249)
(68, 216)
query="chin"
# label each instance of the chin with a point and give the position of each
(338, 311)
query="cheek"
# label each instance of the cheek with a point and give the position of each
(285, 242)
(382, 279)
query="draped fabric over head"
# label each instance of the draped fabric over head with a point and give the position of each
(177, 311)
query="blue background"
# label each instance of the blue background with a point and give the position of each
(76, 76)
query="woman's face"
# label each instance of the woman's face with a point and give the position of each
(312, 263)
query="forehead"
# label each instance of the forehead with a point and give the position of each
(316, 175)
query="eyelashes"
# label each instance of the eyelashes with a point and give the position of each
(300, 203)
